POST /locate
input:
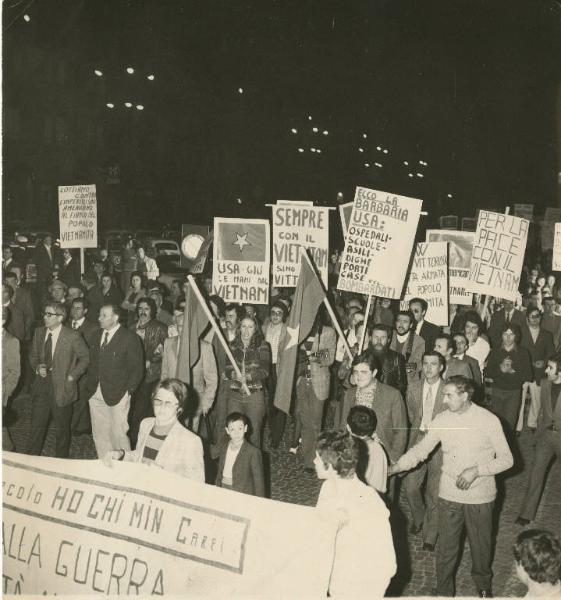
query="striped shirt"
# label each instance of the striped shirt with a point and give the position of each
(153, 444)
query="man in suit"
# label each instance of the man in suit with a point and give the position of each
(11, 370)
(539, 344)
(59, 357)
(444, 344)
(427, 330)
(406, 342)
(425, 400)
(393, 371)
(16, 325)
(7, 258)
(507, 314)
(550, 321)
(21, 298)
(46, 258)
(462, 345)
(117, 368)
(88, 330)
(548, 438)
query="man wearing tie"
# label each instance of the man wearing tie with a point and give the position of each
(117, 368)
(59, 356)
(424, 402)
(507, 314)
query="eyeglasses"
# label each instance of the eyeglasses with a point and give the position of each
(276, 313)
(164, 403)
(51, 314)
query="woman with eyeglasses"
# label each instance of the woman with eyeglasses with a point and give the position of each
(163, 441)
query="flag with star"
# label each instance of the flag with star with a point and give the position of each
(241, 239)
(308, 296)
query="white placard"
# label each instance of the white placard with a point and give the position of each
(428, 279)
(556, 259)
(297, 225)
(77, 215)
(378, 243)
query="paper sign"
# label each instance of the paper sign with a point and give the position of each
(77, 527)
(428, 279)
(241, 259)
(345, 211)
(552, 216)
(77, 214)
(556, 260)
(295, 226)
(378, 243)
(459, 260)
(498, 255)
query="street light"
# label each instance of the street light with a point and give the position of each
(130, 70)
(98, 72)
(26, 18)
(128, 104)
(110, 105)
(150, 77)
(139, 107)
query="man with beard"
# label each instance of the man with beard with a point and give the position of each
(232, 316)
(393, 370)
(406, 342)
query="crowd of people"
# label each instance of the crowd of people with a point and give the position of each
(439, 405)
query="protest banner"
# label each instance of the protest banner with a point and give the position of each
(241, 258)
(556, 259)
(428, 279)
(378, 243)
(77, 215)
(551, 216)
(298, 225)
(524, 211)
(345, 211)
(77, 527)
(460, 244)
(498, 255)
(200, 260)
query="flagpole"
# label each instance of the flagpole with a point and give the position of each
(366, 315)
(216, 328)
(331, 311)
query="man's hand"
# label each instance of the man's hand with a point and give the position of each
(467, 477)
(42, 370)
(393, 470)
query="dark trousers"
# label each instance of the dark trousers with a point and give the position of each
(548, 445)
(253, 407)
(506, 405)
(141, 408)
(308, 413)
(276, 419)
(478, 519)
(43, 408)
(81, 421)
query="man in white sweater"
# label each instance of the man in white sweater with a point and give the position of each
(474, 450)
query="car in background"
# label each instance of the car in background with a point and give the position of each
(165, 251)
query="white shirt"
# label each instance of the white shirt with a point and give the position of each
(428, 403)
(480, 350)
(54, 333)
(111, 333)
(78, 323)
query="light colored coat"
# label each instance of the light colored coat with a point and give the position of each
(180, 453)
(320, 372)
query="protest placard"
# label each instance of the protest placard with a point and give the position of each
(524, 211)
(428, 279)
(345, 211)
(556, 259)
(378, 243)
(297, 225)
(77, 527)
(498, 255)
(551, 216)
(77, 215)
(460, 244)
(241, 258)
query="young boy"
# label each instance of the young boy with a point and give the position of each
(240, 466)
(373, 469)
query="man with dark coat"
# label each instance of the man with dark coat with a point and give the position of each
(393, 371)
(46, 258)
(59, 357)
(507, 314)
(427, 330)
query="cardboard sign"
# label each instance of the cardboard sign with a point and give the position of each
(77, 527)
(378, 243)
(428, 279)
(524, 211)
(551, 216)
(297, 225)
(498, 255)
(241, 258)
(77, 215)
(345, 211)
(460, 244)
(556, 259)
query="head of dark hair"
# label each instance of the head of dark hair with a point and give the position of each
(58, 307)
(240, 310)
(383, 327)
(150, 302)
(368, 358)
(337, 448)
(219, 303)
(281, 306)
(81, 301)
(538, 552)
(362, 421)
(115, 308)
(409, 315)
(421, 301)
(515, 328)
(449, 340)
(473, 317)
(237, 416)
(462, 335)
(556, 358)
(177, 388)
(441, 358)
(463, 384)
(142, 278)
(257, 337)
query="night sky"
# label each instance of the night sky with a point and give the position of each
(468, 87)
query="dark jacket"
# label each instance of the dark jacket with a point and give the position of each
(540, 350)
(247, 472)
(155, 334)
(70, 273)
(393, 371)
(118, 368)
(521, 364)
(429, 332)
(547, 415)
(498, 321)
